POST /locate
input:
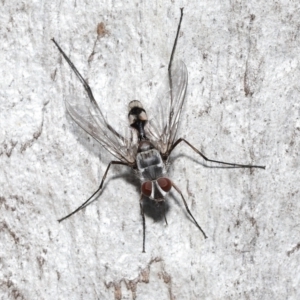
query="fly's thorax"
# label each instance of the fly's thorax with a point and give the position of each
(149, 162)
(145, 145)
(137, 117)
(157, 189)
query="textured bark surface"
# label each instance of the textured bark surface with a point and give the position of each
(242, 106)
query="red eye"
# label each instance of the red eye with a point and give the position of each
(147, 188)
(165, 184)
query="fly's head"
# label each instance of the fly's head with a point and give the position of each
(157, 189)
(137, 117)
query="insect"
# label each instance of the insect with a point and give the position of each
(148, 154)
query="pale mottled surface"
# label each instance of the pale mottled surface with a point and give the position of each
(242, 105)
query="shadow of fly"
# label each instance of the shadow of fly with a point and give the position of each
(151, 143)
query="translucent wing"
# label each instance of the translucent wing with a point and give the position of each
(88, 116)
(162, 128)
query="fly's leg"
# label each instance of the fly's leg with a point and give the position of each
(175, 42)
(144, 223)
(171, 94)
(163, 204)
(83, 205)
(172, 54)
(84, 83)
(189, 212)
(215, 161)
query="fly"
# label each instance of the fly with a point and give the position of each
(148, 154)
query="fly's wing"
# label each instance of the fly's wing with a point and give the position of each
(162, 127)
(88, 116)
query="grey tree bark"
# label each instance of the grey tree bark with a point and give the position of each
(242, 106)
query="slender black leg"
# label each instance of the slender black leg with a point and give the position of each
(144, 223)
(84, 83)
(175, 42)
(183, 140)
(163, 204)
(172, 54)
(83, 205)
(216, 161)
(178, 190)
